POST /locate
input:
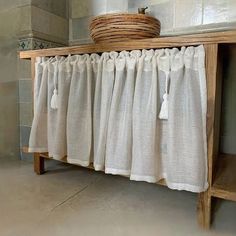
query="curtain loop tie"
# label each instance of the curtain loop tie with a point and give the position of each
(163, 115)
(54, 99)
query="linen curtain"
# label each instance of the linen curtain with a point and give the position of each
(140, 114)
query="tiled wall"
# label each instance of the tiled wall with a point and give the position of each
(176, 16)
(49, 25)
(58, 7)
(48, 28)
(44, 24)
(24, 104)
(9, 132)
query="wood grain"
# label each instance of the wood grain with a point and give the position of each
(184, 40)
(224, 184)
(204, 201)
(38, 164)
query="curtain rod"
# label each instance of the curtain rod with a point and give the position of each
(152, 43)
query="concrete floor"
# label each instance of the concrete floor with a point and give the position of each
(69, 200)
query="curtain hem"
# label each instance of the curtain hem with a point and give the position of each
(187, 187)
(149, 179)
(34, 149)
(117, 171)
(78, 162)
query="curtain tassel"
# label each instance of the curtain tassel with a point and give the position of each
(54, 100)
(163, 115)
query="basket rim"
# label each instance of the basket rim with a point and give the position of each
(108, 15)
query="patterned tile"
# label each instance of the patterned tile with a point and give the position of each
(24, 44)
(35, 43)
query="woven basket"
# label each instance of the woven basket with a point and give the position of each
(123, 27)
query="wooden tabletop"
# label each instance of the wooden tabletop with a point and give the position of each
(175, 41)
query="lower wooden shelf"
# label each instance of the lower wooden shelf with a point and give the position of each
(224, 183)
(45, 155)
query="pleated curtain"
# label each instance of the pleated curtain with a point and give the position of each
(140, 114)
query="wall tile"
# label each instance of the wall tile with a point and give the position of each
(80, 41)
(25, 90)
(80, 8)
(24, 136)
(7, 26)
(187, 13)
(8, 61)
(24, 18)
(117, 6)
(215, 11)
(58, 7)
(24, 69)
(80, 28)
(232, 10)
(9, 115)
(9, 131)
(9, 4)
(50, 24)
(163, 12)
(26, 114)
(135, 4)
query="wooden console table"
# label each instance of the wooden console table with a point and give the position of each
(221, 167)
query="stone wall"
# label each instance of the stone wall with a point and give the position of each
(24, 25)
(176, 16)
(10, 15)
(45, 25)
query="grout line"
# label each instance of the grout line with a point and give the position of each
(25, 78)
(70, 197)
(25, 125)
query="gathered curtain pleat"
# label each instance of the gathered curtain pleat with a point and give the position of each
(140, 114)
(79, 114)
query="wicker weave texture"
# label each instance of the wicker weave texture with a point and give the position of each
(123, 27)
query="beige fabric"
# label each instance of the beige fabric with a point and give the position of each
(102, 102)
(38, 141)
(187, 153)
(79, 117)
(109, 112)
(119, 137)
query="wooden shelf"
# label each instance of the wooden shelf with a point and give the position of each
(162, 42)
(45, 155)
(224, 184)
